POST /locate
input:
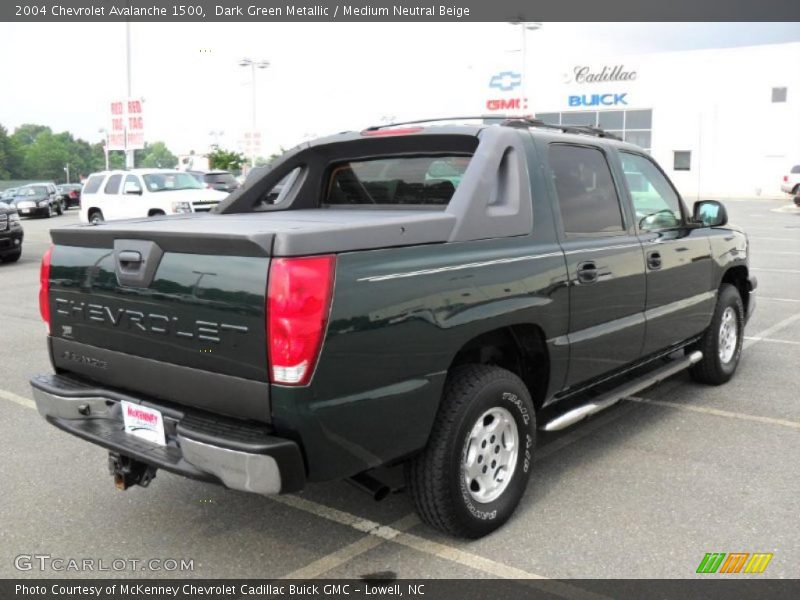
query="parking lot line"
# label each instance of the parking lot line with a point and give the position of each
(778, 299)
(774, 341)
(719, 413)
(343, 555)
(792, 271)
(12, 397)
(770, 330)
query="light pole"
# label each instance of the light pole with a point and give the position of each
(253, 64)
(104, 131)
(66, 170)
(525, 27)
(216, 135)
(129, 156)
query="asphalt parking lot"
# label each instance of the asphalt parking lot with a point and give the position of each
(643, 490)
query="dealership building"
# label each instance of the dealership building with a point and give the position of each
(723, 123)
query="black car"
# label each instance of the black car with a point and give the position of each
(10, 234)
(70, 194)
(224, 181)
(38, 199)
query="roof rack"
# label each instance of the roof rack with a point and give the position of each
(509, 121)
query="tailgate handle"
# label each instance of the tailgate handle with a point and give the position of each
(136, 262)
(127, 258)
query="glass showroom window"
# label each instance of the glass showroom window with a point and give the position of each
(682, 160)
(634, 126)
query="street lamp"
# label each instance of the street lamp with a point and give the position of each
(253, 64)
(66, 170)
(525, 27)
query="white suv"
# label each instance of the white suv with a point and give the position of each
(111, 195)
(791, 181)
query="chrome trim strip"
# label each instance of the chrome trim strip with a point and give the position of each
(617, 247)
(474, 265)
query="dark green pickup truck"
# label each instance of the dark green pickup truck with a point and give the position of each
(425, 295)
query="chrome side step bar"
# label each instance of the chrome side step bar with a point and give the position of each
(610, 398)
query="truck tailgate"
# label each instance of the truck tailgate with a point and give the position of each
(191, 332)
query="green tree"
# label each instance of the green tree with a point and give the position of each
(10, 156)
(226, 160)
(155, 155)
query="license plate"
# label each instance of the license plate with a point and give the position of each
(25, 211)
(143, 422)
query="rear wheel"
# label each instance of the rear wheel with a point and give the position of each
(721, 343)
(96, 216)
(60, 207)
(156, 213)
(470, 477)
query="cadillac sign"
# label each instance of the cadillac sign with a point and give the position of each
(615, 73)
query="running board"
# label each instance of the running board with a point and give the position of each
(610, 398)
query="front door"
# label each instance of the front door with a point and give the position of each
(680, 296)
(604, 261)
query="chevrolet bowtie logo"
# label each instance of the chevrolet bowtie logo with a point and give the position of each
(505, 81)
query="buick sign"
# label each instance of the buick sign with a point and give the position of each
(599, 100)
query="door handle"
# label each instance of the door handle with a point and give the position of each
(129, 259)
(587, 272)
(654, 260)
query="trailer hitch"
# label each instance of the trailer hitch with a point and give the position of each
(128, 471)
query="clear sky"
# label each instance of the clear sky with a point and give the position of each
(323, 78)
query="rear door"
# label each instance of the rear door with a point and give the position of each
(604, 262)
(111, 205)
(680, 298)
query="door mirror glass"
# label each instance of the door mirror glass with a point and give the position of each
(131, 188)
(710, 213)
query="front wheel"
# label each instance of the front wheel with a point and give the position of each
(470, 477)
(721, 343)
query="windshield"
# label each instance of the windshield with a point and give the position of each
(171, 181)
(34, 190)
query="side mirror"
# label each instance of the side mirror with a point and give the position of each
(131, 188)
(710, 213)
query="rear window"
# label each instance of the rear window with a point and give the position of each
(219, 178)
(404, 180)
(92, 184)
(796, 169)
(112, 186)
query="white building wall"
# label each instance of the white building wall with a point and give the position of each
(715, 103)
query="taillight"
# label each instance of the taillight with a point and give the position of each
(387, 132)
(298, 303)
(785, 178)
(44, 288)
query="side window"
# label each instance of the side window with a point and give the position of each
(112, 185)
(587, 197)
(655, 202)
(132, 185)
(92, 184)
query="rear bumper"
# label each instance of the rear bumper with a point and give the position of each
(237, 454)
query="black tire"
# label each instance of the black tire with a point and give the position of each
(60, 208)
(712, 369)
(12, 257)
(436, 478)
(95, 216)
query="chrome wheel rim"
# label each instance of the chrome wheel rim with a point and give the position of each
(728, 335)
(490, 455)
